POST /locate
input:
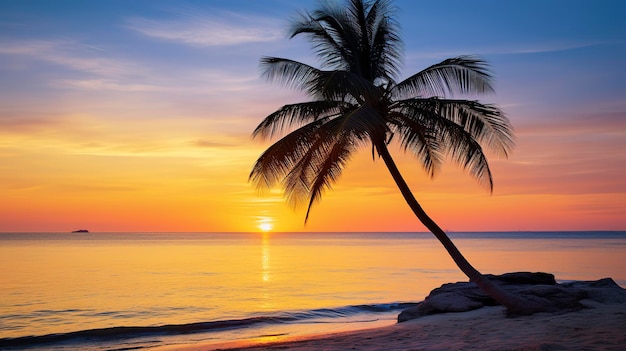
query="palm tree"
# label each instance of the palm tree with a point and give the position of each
(356, 101)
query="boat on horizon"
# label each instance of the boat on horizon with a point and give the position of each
(80, 231)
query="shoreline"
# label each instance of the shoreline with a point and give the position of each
(597, 327)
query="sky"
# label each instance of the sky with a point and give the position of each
(137, 116)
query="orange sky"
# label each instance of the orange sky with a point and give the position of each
(97, 134)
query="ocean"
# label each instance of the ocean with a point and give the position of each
(135, 291)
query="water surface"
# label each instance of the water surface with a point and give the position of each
(226, 286)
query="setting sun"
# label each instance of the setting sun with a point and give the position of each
(266, 226)
(265, 223)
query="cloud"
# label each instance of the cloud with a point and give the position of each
(550, 47)
(572, 124)
(506, 49)
(25, 124)
(90, 188)
(104, 84)
(206, 30)
(72, 55)
(204, 143)
(98, 69)
(33, 47)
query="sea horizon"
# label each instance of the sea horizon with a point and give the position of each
(318, 231)
(450, 233)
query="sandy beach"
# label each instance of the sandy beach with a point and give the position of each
(598, 327)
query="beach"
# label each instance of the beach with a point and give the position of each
(598, 327)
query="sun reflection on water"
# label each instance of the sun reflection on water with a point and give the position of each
(265, 257)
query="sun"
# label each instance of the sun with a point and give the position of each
(265, 223)
(266, 226)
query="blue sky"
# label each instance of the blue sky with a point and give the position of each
(553, 53)
(165, 79)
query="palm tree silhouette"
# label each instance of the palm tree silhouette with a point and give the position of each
(356, 101)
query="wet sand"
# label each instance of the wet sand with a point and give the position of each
(598, 327)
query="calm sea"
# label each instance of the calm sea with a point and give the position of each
(120, 291)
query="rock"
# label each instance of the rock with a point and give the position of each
(529, 278)
(540, 287)
(556, 298)
(603, 291)
(453, 302)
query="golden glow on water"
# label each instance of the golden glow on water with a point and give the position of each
(63, 285)
(265, 258)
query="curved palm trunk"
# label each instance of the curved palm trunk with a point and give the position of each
(513, 303)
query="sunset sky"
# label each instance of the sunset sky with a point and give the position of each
(137, 115)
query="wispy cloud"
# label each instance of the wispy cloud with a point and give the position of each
(104, 84)
(205, 143)
(203, 29)
(72, 55)
(24, 124)
(550, 47)
(506, 49)
(98, 69)
(32, 47)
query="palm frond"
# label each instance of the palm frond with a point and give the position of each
(443, 137)
(278, 160)
(416, 135)
(346, 86)
(466, 152)
(385, 45)
(324, 36)
(486, 123)
(459, 75)
(297, 184)
(290, 73)
(362, 39)
(296, 115)
(331, 85)
(328, 171)
(305, 162)
(364, 122)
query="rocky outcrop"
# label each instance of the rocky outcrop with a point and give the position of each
(542, 287)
